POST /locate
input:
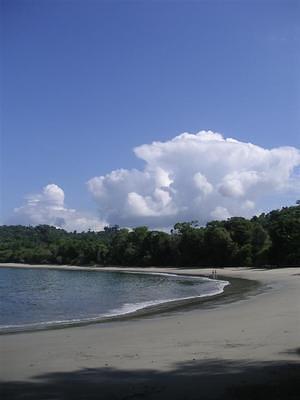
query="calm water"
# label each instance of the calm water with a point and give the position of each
(35, 297)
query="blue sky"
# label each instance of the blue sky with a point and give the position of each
(84, 82)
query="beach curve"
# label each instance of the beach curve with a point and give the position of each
(262, 329)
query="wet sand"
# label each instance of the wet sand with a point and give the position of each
(246, 349)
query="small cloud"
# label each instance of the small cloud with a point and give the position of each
(47, 207)
(220, 213)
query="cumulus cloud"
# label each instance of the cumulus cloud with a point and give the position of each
(220, 213)
(48, 208)
(199, 176)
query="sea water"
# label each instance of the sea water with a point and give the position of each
(35, 298)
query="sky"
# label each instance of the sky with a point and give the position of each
(148, 112)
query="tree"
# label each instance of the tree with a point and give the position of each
(272, 238)
(220, 248)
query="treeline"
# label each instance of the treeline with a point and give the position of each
(271, 239)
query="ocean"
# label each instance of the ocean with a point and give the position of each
(45, 298)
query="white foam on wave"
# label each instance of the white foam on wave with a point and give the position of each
(129, 308)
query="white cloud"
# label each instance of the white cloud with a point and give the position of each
(53, 194)
(220, 213)
(190, 177)
(202, 183)
(48, 208)
(195, 176)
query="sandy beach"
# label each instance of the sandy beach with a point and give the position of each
(246, 349)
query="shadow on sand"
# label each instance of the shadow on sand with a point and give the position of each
(197, 380)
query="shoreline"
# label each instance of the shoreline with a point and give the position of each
(219, 351)
(234, 290)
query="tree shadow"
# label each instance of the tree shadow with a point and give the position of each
(194, 380)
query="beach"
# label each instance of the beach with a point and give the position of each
(241, 349)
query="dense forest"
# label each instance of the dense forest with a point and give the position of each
(271, 239)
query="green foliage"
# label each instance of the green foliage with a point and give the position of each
(269, 239)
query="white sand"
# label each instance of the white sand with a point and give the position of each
(264, 328)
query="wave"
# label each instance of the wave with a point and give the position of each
(129, 308)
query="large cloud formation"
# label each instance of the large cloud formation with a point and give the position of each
(195, 177)
(48, 207)
(199, 176)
